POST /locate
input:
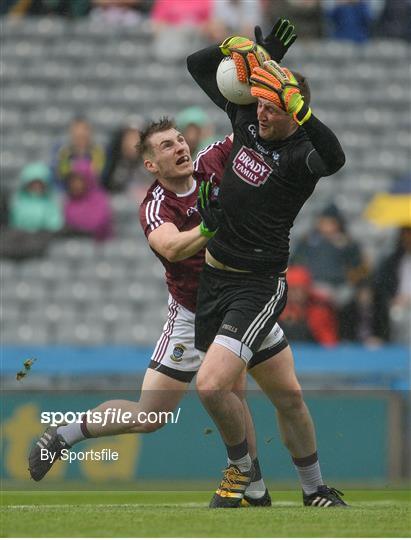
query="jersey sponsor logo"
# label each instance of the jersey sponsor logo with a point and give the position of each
(178, 352)
(250, 167)
(252, 128)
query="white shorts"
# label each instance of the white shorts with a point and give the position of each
(176, 356)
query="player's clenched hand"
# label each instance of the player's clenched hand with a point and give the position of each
(209, 209)
(246, 55)
(281, 87)
(279, 40)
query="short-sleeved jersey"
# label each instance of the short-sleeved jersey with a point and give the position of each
(264, 186)
(163, 206)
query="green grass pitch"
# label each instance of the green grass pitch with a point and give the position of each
(185, 514)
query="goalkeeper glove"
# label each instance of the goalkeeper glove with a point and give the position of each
(278, 41)
(246, 55)
(209, 209)
(279, 86)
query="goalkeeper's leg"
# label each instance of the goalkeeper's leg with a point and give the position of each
(276, 377)
(256, 493)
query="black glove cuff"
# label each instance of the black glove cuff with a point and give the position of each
(303, 114)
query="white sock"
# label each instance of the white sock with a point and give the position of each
(310, 477)
(244, 463)
(71, 433)
(256, 489)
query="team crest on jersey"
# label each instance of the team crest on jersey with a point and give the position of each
(191, 211)
(250, 167)
(178, 352)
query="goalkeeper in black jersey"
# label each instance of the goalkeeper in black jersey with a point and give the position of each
(280, 151)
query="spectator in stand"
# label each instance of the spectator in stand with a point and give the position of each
(393, 291)
(194, 125)
(237, 17)
(120, 12)
(18, 8)
(4, 208)
(87, 209)
(395, 20)
(124, 170)
(79, 147)
(349, 20)
(335, 261)
(309, 315)
(358, 319)
(181, 12)
(34, 214)
(35, 206)
(179, 25)
(306, 15)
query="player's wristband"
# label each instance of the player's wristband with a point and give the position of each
(302, 114)
(206, 232)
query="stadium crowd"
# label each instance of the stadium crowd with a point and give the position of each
(355, 20)
(336, 294)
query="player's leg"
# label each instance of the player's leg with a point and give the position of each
(164, 384)
(215, 387)
(256, 493)
(239, 389)
(277, 378)
(243, 302)
(160, 393)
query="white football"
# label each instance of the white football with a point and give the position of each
(228, 84)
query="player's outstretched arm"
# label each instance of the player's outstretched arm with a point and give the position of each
(175, 245)
(202, 66)
(279, 85)
(329, 156)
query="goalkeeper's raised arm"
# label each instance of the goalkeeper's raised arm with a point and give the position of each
(280, 87)
(246, 53)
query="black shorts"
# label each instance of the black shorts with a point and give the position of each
(239, 308)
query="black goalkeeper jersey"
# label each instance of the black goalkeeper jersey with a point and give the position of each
(265, 183)
(264, 187)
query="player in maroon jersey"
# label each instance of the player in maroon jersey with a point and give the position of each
(177, 235)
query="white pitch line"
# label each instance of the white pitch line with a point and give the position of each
(281, 504)
(89, 505)
(122, 505)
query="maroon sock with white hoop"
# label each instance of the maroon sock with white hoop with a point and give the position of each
(74, 432)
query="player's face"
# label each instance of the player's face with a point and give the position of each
(171, 157)
(273, 123)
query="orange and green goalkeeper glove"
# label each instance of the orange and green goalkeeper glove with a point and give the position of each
(279, 86)
(246, 55)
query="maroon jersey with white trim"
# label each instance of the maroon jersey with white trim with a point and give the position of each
(162, 206)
